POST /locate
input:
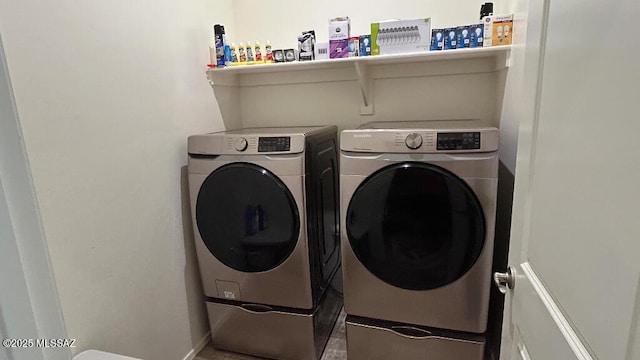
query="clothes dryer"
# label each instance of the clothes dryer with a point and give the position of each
(264, 205)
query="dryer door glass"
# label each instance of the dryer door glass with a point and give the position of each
(247, 217)
(415, 226)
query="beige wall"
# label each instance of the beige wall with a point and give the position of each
(433, 91)
(107, 92)
(282, 20)
(400, 92)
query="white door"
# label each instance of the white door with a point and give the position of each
(29, 306)
(575, 241)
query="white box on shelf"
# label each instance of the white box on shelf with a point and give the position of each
(498, 30)
(339, 33)
(321, 51)
(400, 36)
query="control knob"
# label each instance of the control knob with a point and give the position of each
(413, 141)
(240, 144)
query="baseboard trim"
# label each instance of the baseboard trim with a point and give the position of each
(203, 342)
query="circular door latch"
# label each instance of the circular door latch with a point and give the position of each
(505, 281)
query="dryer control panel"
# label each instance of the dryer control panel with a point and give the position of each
(459, 140)
(274, 143)
(246, 144)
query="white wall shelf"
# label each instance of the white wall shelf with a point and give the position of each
(364, 69)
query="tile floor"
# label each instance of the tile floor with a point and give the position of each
(336, 347)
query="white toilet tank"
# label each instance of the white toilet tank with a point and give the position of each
(100, 355)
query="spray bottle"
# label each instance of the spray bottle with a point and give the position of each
(218, 32)
(212, 52)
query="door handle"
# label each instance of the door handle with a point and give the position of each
(505, 281)
(411, 332)
(257, 308)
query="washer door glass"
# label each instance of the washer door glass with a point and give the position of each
(247, 217)
(415, 226)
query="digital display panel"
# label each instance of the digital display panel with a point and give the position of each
(459, 141)
(273, 144)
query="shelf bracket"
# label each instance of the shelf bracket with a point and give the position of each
(366, 88)
(222, 78)
(503, 60)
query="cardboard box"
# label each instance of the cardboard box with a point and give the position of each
(400, 36)
(278, 56)
(437, 39)
(306, 45)
(339, 28)
(338, 49)
(365, 45)
(498, 30)
(321, 51)
(290, 55)
(339, 33)
(354, 46)
(463, 37)
(450, 38)
(476, 32)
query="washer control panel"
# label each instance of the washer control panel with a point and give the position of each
(458, 140)
(274, 143)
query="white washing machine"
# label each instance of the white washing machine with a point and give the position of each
(418, 202)
(264, 205)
